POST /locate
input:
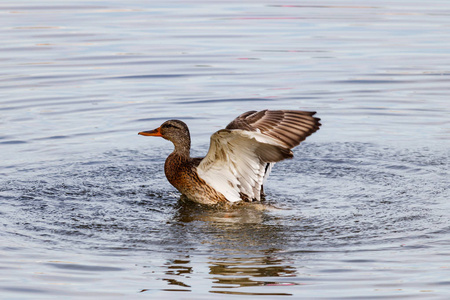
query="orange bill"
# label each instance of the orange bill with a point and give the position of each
(154, 132)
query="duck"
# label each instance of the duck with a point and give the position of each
(240, 156)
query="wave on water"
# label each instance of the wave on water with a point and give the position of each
(329, 195)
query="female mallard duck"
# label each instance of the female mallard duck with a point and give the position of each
(240, 156)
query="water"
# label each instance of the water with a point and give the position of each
(360, 212)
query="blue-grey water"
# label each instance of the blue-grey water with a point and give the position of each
(361, 212)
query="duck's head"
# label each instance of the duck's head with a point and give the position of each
(175, 131)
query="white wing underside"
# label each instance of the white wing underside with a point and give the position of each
(236, 162)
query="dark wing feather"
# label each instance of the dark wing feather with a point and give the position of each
(289, 127)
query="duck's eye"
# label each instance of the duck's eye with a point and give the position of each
(169, 126)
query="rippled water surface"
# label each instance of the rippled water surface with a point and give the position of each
(362, 211)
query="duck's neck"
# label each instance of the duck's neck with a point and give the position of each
(183, 148)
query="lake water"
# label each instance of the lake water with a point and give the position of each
(361, 212)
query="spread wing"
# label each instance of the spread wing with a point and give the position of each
(239, 155)
(289, 127)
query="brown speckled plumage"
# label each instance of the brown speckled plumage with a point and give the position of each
(181, 173)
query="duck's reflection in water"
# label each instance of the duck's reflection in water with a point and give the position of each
(240, 272)
(243, 246)
(178, 268)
